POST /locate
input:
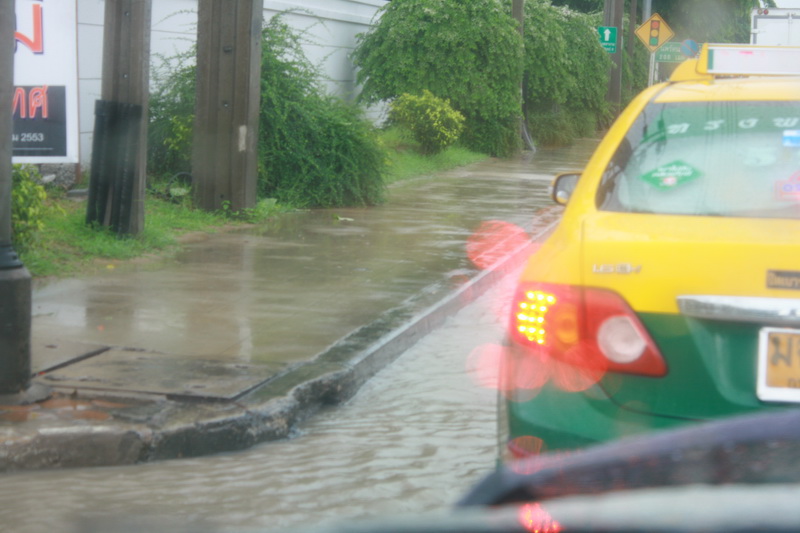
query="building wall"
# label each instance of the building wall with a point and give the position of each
(330, 27)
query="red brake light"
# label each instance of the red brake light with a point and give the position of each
(533, 517)
(576, 325)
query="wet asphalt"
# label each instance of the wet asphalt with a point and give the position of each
(248, 332)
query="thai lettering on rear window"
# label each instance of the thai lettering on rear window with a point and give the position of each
(737, 159)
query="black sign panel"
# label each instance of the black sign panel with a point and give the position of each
(40, 121)
(783, 279)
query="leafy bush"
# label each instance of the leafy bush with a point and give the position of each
(169, 145)
(566, 73)
(434, 123)
(467, 52)
(27, 205)
(314, 150)
(635, 70)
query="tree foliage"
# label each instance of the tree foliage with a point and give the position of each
(565, 75)
(467, 52)
(171, 111)
(700, 20)
(719, 21)
(27, 205)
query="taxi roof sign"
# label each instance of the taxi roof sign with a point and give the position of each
(748, 60)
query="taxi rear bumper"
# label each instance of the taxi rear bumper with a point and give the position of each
(559, 420)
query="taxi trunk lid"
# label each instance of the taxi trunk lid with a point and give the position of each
(704, 288)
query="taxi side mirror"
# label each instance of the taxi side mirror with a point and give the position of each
(563, 185)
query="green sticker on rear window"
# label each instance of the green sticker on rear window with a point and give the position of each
(671, 175)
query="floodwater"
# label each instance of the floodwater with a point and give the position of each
(413, 440)
(274, 295)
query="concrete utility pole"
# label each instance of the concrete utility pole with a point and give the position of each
(15, 280)
(126, 79)
(224, 155)
(612, 16)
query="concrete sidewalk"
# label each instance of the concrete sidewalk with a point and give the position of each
(247, 333)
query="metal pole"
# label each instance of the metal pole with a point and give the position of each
(632, 25)
(619, 11)
(15, 280)
(518, 12)
(612, 16)
(647, 12)
(6, 98)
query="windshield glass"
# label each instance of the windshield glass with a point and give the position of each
(737, 159)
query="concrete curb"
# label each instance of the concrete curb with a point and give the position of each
(172, 428)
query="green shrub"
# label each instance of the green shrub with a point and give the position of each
(467, 52)
(27, 205)
(434, 123)
(314, 150)
(169, 145)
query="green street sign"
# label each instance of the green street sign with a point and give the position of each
(608, 38)
(670, 53)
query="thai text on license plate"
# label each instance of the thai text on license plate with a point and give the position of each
(779, 364)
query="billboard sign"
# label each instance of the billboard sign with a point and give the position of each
(45, 102)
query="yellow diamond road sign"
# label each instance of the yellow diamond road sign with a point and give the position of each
(654, 32)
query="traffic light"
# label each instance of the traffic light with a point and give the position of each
(655, 27)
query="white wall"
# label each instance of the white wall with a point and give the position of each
(330, 25)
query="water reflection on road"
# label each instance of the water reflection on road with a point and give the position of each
(412, 440)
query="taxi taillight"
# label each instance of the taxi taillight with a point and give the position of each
(561, 321)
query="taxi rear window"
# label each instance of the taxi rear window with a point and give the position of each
(735, 159)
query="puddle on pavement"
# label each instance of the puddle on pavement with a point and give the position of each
(312, 276)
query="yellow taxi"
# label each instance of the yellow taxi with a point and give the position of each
(669, 293)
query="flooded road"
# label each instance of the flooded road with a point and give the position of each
(414, 439)
(238, 297)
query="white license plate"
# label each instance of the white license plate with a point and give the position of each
(779, 365)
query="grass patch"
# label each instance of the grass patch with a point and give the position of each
(406, 160)
(67, 246)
